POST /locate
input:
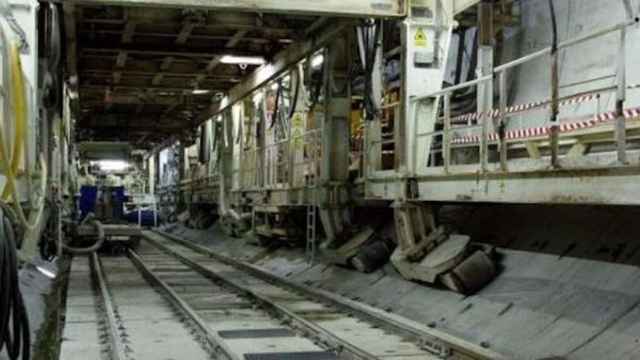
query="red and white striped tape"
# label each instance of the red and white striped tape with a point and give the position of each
(531, 106)
(629, 114)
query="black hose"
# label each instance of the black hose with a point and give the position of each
(276, 106)
(371, 53)
(296, 93)
(91, 249)
(15, 335)
(554, 64)
(554, 28)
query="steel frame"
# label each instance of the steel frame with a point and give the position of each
(353, 8)
(601, 178)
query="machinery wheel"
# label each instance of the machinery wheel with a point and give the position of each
(471, 274)
(371, 257)
(263, 240)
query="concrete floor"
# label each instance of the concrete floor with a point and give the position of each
(576, 296)
(36, 288)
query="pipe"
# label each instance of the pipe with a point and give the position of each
(225, 210)
(555, 110)
(296, 93)
(4, 156)
(91, 249)
(17, 91)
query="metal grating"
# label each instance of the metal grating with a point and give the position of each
(256, 333)
(303, 355)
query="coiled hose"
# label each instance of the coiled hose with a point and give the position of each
(93, 248)
(14, 322)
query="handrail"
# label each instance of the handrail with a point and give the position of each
(501, 115)
(528, 58)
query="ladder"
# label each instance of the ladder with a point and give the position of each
(312, 211)
(311, 231)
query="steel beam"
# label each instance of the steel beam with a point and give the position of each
(70, 32)
(462, 5)
(281, 63)
(352, 8)
(157, 51)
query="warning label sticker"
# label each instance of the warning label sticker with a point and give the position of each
(420, 39)
(297, 130)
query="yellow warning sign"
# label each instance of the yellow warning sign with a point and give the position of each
(297, 130)
(420, 40)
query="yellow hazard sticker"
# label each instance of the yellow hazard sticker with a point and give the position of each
(420, 39)
(297, 130)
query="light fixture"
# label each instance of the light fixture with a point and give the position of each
(111, 165)
(257, 97)
(242, 60)
(317, 61)
(46, 272)
(200, 92)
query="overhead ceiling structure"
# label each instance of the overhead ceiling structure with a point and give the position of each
(146, 73)
(145, 70)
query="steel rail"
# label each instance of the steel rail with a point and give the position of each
(211, 336)
(344, 349)
(436, 341)
(117, 347)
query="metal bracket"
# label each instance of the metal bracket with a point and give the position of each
(412, 189)
(437, 347)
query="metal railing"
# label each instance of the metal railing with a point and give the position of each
(484, 119)
(286, 164)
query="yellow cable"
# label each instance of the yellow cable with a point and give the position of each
(20, 108)
(10, 166)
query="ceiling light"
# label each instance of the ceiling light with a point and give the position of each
(111, 165)
(317, 61)
(238, 60)
(200, 92)
(257, 97)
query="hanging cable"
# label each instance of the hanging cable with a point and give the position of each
(14, 322)
(296, 92)
(370, 35)
(555, 110)
(10, 164)
(276, 106)
(20, 109)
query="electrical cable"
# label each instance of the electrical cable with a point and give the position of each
(17, 94)
(15, 335)
(276, 106)
(20, 108)
(90, 249)
(296, 93)
(371, 46)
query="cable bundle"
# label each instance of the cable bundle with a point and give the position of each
(14, 323)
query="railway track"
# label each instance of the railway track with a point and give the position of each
(170, 299)
(343, 327)
(114, 313)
